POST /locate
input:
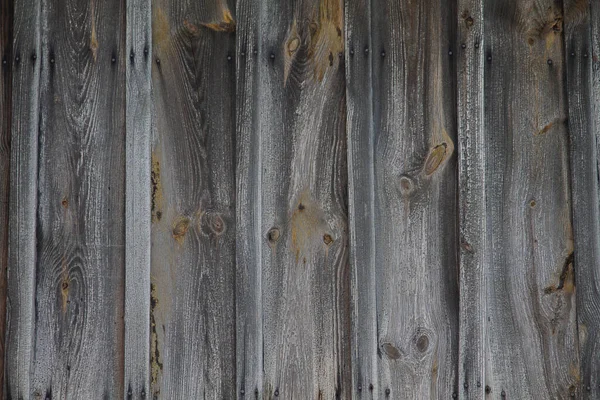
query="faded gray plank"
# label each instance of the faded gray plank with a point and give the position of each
(471, 199)
(137, 206)
(80, 234)
(293, 280)
(21, 266)
(6, 26)
(193, 200)
(403, 200)
(584, 119)
(531, 332)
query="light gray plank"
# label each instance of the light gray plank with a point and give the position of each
(21, 270)
(192, 348)
(293, 148)
(471, 199)
(138, 199)
(582, 81)
(531, 331)
(81, 232)
(6, 26)
(403, 199)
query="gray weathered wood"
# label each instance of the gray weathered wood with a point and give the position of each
(137, 207)
(6, 24)
(403, 199)
(531, 332)
(79, 294)
(192, 335)
(293, 264)
(21, 267)
(583, 91)
(471, 199)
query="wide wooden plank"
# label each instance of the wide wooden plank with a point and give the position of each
(530, 331)
(192, 331)
(293, 257)
(6, 25)
(21, 264)
(471, 199)
(583, 88)
(403, 200)
(80, 234)
(138, 199)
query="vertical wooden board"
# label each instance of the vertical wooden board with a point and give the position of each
(531, 332)
(137, 199)
(404, 207)
(192, 348)
(292, 72)
(6, 23)
(584, 119)
(80, 220)
(471, 199)
(21, 263)
(359, 117)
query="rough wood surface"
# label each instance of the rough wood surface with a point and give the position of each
(531, 332)
(471, 199)
(583, 88)
(6, 24)
(293, 295)
(138, 78)
(403, 199)
(192, 320)
(80, 216)
(21, 265)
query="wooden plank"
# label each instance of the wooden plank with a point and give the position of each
(361, 181)
(403, 200)
(81, 233)
(193, 201)
(531, 331)
(471, 199)
(293, 292)
(21, 266)
(6, 26)
(583, 88)
(138, 199)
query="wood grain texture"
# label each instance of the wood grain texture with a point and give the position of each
(192, 338)
(80, 272)
(138, 78)
(582, 81)
(403, 200)
(6, 25)
(21, 266)
(531, 331)
(471, 199)
(293, 294)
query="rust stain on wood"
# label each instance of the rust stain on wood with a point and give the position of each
(94, 40)
(156, 365)
(157, 195)
(161, 29)
(227, 24)
(64, 286)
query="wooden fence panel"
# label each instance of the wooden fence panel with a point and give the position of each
(6, 23)
(192, 319)
(80, 231)
(138, 78)
(583, 88)
(531, 332)
(403, 199)
(293, 295)
(21, 264)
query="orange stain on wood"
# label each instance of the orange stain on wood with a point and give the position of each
(64, 286)
(227, 24)
(161, 31)
(180, 228)
(157, 195)
(94, 41)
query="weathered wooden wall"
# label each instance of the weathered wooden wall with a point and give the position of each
(308, 199)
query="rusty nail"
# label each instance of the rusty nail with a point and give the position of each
(157, 61)
(549, 61)
(488, 389)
